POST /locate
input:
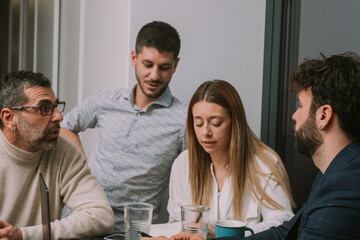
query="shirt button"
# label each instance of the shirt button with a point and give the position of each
(114, 174)
(130, 134)
(122, 154)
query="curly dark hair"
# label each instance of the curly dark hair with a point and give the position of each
(12, 87)
(159, 35)
(335, 81)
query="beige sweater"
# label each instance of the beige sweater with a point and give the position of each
(69, 181)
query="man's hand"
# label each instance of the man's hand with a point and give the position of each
(9, 232)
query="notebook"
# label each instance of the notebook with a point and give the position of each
(45, 209)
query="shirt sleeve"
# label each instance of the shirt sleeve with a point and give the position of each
(183, 138)
(280, 232)
(91, 212)
(178, 187)
(274, 217)
(333, 208)
(84, 115)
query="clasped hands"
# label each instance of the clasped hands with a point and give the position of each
(9, 232)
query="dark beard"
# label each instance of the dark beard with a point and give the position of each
(152, 95)
(308, 139)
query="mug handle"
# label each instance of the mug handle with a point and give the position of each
(249, 229)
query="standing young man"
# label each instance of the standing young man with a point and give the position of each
(327, 128)
(141, 130)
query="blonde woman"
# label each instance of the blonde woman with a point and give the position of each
(226, 166)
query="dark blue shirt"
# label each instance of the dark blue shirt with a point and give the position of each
(332, 210)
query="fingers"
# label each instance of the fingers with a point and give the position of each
(4, 229)
(9, 232)
(211, 230)
(4, 224)
(5, 233)
(155, 238)
(186, 236)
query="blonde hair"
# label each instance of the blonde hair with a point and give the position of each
(245, 147)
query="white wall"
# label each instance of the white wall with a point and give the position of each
(221, 39)
(94, 52)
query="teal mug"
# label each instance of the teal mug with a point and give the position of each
(229, 228)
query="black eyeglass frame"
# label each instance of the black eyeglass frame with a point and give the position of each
(42, 108)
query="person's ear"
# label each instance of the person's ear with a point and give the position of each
(8, 118)
(176, 63)
(323, 116)
(133, 57)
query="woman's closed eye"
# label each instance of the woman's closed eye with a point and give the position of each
(216, 124)
(198, 122)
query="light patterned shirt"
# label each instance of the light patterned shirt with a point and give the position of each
(135, 148)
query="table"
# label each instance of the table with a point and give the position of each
(165, 229)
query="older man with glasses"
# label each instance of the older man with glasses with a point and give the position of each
(29, 145)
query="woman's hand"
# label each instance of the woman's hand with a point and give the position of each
(155, 238)
(186, 236)
(179, 236)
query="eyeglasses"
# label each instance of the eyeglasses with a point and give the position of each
(45, 110)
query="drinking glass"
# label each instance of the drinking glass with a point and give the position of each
(137, 218)
(195, 219)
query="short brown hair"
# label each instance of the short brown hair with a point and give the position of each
(159, 35)
(335, 81)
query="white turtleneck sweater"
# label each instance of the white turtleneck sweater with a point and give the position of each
(69, 181)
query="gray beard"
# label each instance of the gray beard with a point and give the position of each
(28, 134)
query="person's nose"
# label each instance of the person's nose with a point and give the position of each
(57, 116)
(155, 73)
(294, 116)
(206, 130)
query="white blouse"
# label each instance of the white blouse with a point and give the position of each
(256, 216)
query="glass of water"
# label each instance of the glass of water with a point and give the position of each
(195, 219)
(137, 218)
